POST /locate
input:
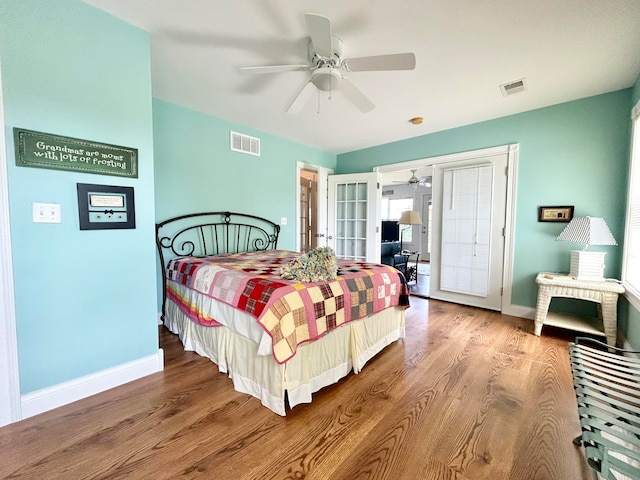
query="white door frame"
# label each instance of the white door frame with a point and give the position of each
(323, 175)
(510, 220)
(10, 406)
(425, 254)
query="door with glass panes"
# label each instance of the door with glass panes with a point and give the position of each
(353, 216)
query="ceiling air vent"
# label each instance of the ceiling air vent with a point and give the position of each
(514, 87)
(245, 144)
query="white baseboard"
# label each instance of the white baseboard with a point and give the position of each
(519, 311)
(79, 388)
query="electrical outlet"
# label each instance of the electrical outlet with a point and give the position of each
(283, 220)
(46, 213)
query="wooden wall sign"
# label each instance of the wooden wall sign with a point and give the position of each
(45, 150)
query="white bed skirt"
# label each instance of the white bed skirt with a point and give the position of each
(315, 365)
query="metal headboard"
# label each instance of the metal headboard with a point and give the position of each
(212, 233)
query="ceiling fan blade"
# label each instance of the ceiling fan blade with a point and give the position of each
(358, 98)
(274, 69)
(394, 61)
(320, 32)
(302, 98)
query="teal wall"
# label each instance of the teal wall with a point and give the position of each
(629, 322)
(574, 153)
(196, 171)
(85, 300)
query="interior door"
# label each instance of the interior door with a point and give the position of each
(308, 208)
(353, 225)
(469, 215)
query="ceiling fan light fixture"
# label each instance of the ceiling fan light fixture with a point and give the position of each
(326, 78)
(414, 181)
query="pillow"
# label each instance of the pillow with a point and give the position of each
(314, 266)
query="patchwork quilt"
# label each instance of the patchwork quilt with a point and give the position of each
(290, 312)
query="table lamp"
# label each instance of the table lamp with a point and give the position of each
(589, 231)
(408, 217)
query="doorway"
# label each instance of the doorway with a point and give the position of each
(311, 206)
(502, 241)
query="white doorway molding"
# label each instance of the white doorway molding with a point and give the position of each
(10, 403)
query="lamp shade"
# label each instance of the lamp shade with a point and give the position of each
(410, 217)
(588, 266)
(587, 230)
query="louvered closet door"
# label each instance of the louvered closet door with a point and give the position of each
(469, 218)
(353, 216)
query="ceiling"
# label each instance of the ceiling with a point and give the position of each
(465, 49)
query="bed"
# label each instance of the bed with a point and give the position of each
(278, 340)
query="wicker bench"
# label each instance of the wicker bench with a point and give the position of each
(607, 387)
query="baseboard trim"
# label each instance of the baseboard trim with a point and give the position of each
(519, 311)
(64, 393)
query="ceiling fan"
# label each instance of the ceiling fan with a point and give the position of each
(415, 181)
(327, 64)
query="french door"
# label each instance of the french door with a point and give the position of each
(353, 229)
(469, 218)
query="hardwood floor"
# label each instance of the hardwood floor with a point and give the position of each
(421, 287)
(469, 395)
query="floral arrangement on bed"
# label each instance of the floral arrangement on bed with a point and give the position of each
(316, 265)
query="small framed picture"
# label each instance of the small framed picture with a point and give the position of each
(105, 207)
(555, 214)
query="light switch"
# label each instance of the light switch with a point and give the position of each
(283, 220)
(46, 213)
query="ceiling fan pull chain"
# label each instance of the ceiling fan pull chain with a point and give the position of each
(330, 81)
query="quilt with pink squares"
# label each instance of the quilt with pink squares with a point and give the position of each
(291, 312)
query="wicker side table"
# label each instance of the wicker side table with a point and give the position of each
(605, 294)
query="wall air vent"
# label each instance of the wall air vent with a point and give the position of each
(245, 144)
(514, 87)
